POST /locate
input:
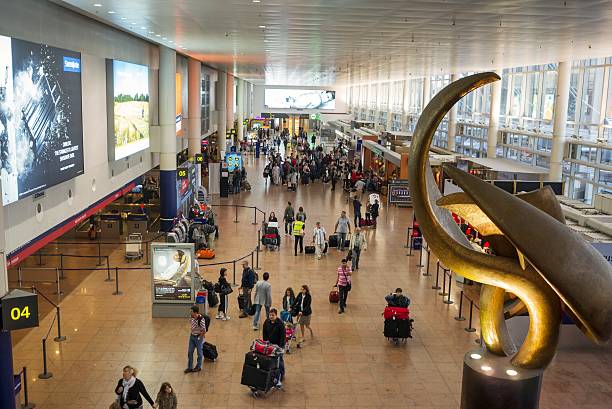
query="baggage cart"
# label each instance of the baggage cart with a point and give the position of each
(133, 247)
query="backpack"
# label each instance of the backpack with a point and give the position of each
(206, 321)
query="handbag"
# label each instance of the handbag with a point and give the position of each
(334, 297)
(227, 289)
(348, 285)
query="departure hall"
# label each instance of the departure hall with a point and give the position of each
(285, 204)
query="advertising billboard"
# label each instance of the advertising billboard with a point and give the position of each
(185, 187)
(283, 98)
(128, 90)
(172, 268)
(234, 161)
(399, 192)
(41, 126)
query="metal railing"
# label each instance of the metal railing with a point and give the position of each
(57, 281)
(23, 375)
(60, 338)
(255, 211)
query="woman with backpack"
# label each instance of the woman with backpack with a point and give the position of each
(303, 311)
(223, 288)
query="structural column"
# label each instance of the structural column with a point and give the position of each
(240, 109)
(7, 392)
(452, 122)
(560, 121)
(230, 101)
(194, 94)
(167, 124)
(221, 106)
(494, 118)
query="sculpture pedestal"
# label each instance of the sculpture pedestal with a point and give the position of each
(491, 382)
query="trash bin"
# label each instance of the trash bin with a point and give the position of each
(201, 300)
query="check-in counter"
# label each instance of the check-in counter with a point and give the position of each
(110, 226)
(137, 223)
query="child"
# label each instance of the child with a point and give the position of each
(367, 213)
(166, 398)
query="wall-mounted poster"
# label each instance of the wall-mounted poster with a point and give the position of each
(234, 161)
(41, 127)
(128, 107)
(288, 98)
(172, 270)
(179, 104)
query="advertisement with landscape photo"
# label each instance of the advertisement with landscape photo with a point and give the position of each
(130, 108)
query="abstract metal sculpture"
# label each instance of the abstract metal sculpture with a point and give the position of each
(538, 260)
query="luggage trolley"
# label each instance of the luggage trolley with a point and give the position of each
(133, 247)
(261, 372)
(398, 325)
(271, 236)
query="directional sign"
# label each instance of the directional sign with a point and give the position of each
(182, 173)
(19, 310)
(199, 158)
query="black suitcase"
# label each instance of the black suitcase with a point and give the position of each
(258, 379)
(390, 330)
(210, 351)
(241, 302)
(404, 328)
(333, 240)
(257, 360)
(309, 249)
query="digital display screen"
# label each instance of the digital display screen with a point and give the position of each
(41, 126)
(130, 96)
(172, 279)
(280, 98)
(234, 161)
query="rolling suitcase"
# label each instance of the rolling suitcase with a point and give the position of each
(258, 379)
(333, 240)
(390, 330)
(260, 361)
(309, 249)
(210, 351)
(404, 328)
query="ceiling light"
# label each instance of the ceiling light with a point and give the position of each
(111, 12)
(262, 26)
(143, 28)
(511, 372)
(266, 41)
(267, 51)
(486, 368)
(123, 18)
(157, 35)
(256, 1)
(164, 38)
(475, 356)
(97, 5)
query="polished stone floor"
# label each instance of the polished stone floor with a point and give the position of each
(347, 364)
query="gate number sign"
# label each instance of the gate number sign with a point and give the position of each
(181, 173)
(19, 309)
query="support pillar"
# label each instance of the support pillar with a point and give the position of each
(167, 119)
(494, 118)
(564, 72)
(229, 106)
(221, 106)
(426, 91)
(7, 392)
(240, 109)
(194, 92)
(452, 122)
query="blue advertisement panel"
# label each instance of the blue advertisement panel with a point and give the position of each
(233, 160)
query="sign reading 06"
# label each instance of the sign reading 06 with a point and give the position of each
(199, 158)
(19, 309)
(182, 173)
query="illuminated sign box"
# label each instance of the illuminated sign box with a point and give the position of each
(19, 310)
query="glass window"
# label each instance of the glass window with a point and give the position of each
(592, 88)
(605, 177)
(515, 101)
(606, 157)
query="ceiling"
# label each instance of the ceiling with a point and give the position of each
(327, 42)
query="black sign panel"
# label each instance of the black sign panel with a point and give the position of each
(399, 192)
(182, 173)
(199, 158)
(19, 310)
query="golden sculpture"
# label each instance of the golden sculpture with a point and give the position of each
(538, 259)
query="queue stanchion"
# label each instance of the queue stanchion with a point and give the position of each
(61, 265)
(26, 400)
(420, 257)
(460, 317)
(236, 221)
(45, 374)
(407, 245)
(108, 274)
(255, 211)
(234, 267)
(117, 292)
(437, 286)
(257, 250)
(60, 337)
(443, 293)
(58, 289)
(99, 253)
(426, 273)
(450, 282)
(252, 258)
(469, 327)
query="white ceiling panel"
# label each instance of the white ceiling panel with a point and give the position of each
(326, 42)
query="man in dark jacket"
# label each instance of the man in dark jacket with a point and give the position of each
(246, 285)
(397, 299)
(274, 333)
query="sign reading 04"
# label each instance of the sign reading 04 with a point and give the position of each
(199, 158)
(19, 309)
(182, 173)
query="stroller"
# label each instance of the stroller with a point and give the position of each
(271, 238)
(398, 324)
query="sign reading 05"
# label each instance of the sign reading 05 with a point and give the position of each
(199, 158)
(19, 309)
(182, 173)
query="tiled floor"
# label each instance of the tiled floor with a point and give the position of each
(347, 364)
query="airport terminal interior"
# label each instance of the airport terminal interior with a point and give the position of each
(330, 204)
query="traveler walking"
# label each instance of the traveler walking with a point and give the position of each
(319, 239)
(344, 284)
(288, 301)
(274, 333)
(356, 212)
(303, 311)
(224, 291)
(246, 286)
(166, 398)
(374, 211)
(129, 390)
(357, 244)
(288, 218)
(397, 299)
(301, 215)
(263, 298)
(298, 235)
(342, 229)
(196, 340)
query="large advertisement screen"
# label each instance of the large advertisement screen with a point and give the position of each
(172, 272)
(41, 126)
(130, 111)
(185, 188)
(280, 98)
